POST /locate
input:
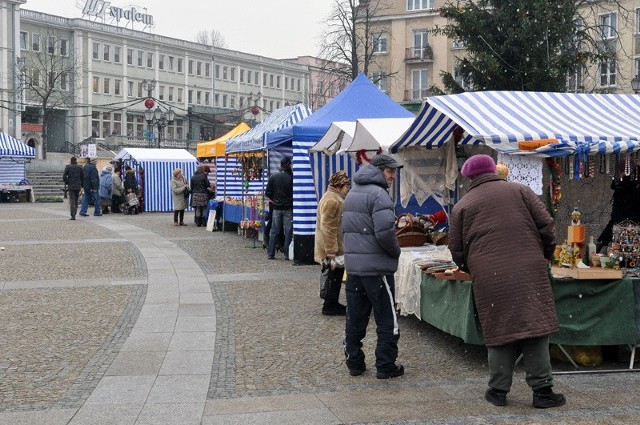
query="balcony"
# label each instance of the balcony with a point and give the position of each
(416, 95)
(418, 54)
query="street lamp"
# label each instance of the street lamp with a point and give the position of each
(160, 119)
(635, 84)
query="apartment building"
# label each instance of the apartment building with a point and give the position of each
(408, 58)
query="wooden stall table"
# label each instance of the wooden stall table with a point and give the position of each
(16, 193)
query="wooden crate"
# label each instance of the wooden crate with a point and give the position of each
(590, 273)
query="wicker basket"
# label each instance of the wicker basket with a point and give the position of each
(412, 239)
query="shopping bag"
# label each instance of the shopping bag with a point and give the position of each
(324, 279)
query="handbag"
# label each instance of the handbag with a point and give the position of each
(324, 279)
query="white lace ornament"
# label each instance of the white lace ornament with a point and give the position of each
(526, 170)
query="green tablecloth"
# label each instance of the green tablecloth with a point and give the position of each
(590, 312)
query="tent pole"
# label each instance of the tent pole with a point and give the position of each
(224, 194)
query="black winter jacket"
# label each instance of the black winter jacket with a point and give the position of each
(280, 190)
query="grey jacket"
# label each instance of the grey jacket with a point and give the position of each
(370, 244)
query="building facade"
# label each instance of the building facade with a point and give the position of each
(408, 57)
(80, 80)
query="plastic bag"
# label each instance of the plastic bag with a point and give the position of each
(324, 279)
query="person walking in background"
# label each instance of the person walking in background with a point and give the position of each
(329, 240)
(106, 188)
(502, 233)
(180, 192)
(91, 184)
(200, 194)
(371, 253)
(73, 176)
(280, 193)
(117, 191)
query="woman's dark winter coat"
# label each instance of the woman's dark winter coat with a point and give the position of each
(502, 233)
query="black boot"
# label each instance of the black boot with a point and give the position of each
(545, 397)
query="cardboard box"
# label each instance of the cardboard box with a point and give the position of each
(590, 273)
(576, 234)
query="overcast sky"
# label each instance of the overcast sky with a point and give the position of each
(272, 28)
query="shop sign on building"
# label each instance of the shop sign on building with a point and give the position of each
(105, 10)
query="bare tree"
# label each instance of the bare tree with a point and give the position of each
(49, 77)
(350, 36)
(212, 38)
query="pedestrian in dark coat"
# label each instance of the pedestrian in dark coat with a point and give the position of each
(130, 182)
(200, 188)
(502, 233)
(91, 184)
(371, 253)
(73, 176)
(280, 193)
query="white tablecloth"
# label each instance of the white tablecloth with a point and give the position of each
(409, 275)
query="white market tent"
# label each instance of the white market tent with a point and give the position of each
(158, 165)
(13, 156)
(372, 134)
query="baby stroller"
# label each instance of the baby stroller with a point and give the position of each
(131, 204)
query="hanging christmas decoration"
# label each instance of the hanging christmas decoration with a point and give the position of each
(555, 190)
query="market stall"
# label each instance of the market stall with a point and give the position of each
(13, 156)
(361, 99)
(216, 148)
(157, 166)
(572, 150)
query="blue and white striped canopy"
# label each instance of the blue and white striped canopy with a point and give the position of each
(255, 139)
(606, 122)
(10, 146)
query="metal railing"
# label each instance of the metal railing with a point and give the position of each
(418, 94)
(418, 54)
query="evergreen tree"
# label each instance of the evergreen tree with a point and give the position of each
(528, 45)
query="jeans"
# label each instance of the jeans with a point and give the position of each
(88, 194)
(366, 293)
(280, 219)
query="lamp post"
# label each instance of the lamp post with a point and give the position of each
(160, 119)
(635, 84)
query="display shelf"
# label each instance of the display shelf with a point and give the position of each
(588, 273)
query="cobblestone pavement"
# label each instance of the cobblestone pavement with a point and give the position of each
(73, 291)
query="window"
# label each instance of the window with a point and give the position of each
(299, 83)
(207, 98)
(241, 104)
(180, 65)
(106, 85)
(286, 83)
(130, 89)
(216, 99)
(380, 43)
(35, 42)
(420, 44)
(190, 96)
(248, 77)
(218, 72)
(225, 72)
(96, 84)
(129, 56)
(161, 62)
(35, 77)
(24, 40)
(199, 68)
(140, 57)
(224, 100)
(199, 97)
(419, 4)
(264, 79)
(106, 56)
(271, 80)
(190, 67)
(608, 25)
(457, 44)
(106, 124)
(116, 53)
(171, 59)
(180, 95)
(242, 75)
(271, 106)
(574, 80)
(233, 74)
(96, 51)
(64, 77)
(418, 84)
(149, 60)
(117, 123)
(207, 69)
(608, 73)
(170, 94)
(95, 124)
(161, 92)
(232, 102)
(140, 89)
(51, 45)
(460, 78)
(278, 81)
(637, 22)
(379, 79)
(116, 87)
(256, 77)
